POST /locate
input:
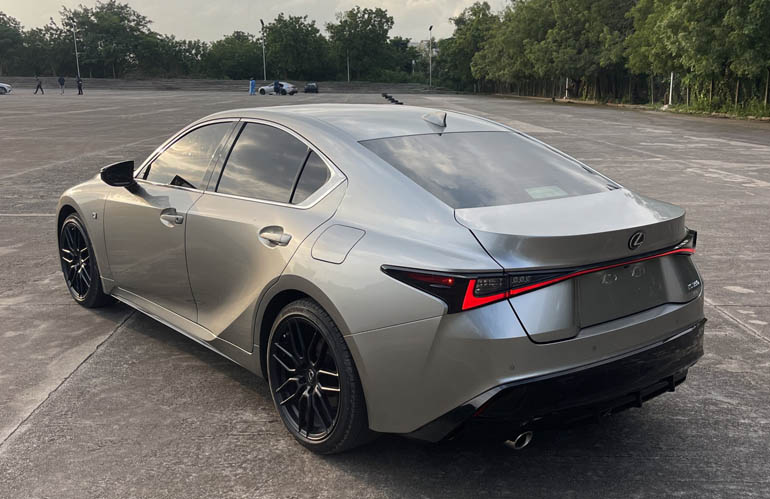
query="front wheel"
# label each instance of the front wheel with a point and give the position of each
(78, 264)
(313, 381)
(261, 91)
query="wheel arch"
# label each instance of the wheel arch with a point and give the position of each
(289, 288)
(65, 210)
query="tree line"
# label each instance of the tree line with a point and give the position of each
(605, 50)
(617, 50)
(116, 41)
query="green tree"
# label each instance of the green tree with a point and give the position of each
(237, 56)
(295, 48)
(361, 36)
(11, 43)
(473, 27)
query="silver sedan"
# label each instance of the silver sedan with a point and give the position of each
(395, 269)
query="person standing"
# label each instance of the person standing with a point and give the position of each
(276, 87)
(80, 86)
(39, 86)
(252, 86)
(61, 84)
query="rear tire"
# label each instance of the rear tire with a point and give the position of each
(3, 91)
(283, 91)
(78, 264)
(313, 381)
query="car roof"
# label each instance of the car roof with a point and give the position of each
(366, 121)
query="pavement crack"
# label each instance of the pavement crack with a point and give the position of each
(64, 380)
(736, 320)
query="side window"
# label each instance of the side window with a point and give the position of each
(187, 160)
(313, 176)
(263, 164)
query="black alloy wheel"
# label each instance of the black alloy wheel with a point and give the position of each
(78, 264)
(313, 380)
(307, 378)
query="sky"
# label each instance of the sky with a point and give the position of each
(210, 20)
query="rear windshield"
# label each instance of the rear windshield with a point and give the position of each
(473, 169)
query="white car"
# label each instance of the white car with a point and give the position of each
(5, 88)
(286, 88)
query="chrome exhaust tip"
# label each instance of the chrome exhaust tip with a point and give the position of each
(522, 440)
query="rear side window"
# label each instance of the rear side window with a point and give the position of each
(186, 162)
(262, 164)
(313, 176)
(473, 169)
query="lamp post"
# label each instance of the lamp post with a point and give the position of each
(75, 40)
(347, 51)
(264, 66)
(430, 56)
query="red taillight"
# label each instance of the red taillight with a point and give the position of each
(464, 292)
(470, 300)
(432, 279)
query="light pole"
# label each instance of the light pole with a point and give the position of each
(77, 60)
(264, 66)
(430, 56)
(347, 51)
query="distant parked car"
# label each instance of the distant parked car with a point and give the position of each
(311, 88)
(5, 88)
(286, 88)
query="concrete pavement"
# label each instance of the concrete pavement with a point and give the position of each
(111, 403)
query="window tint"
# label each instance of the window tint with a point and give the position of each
(313, 176)
(186, 162)
(472, 169)
(262, 164)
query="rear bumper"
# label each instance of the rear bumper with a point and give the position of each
(570, 396)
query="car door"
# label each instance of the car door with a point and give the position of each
(273, 190)
(144, 228)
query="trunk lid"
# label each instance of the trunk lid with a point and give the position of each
(585, 231)
(573, 231)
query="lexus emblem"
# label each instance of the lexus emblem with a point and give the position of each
(636, 240)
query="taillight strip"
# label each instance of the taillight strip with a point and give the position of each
(472, 301)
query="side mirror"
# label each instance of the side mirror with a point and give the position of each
(119, 175)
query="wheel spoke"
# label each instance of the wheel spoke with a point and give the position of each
(301, 348)
(322, 352)
(312, 347)
(290, 397)
(85, 276)
(68, 239)
(309, 415)
(322, 409)
(283, 365)
(287, 353)
(293, 379)
(303, 412)
(293, 341)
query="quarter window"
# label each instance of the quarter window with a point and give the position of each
(186, 162)
(313, 176)
(263, 164)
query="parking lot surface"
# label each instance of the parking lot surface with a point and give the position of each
(109, 403)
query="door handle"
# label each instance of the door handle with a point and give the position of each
(275, 235)
(169, 217)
